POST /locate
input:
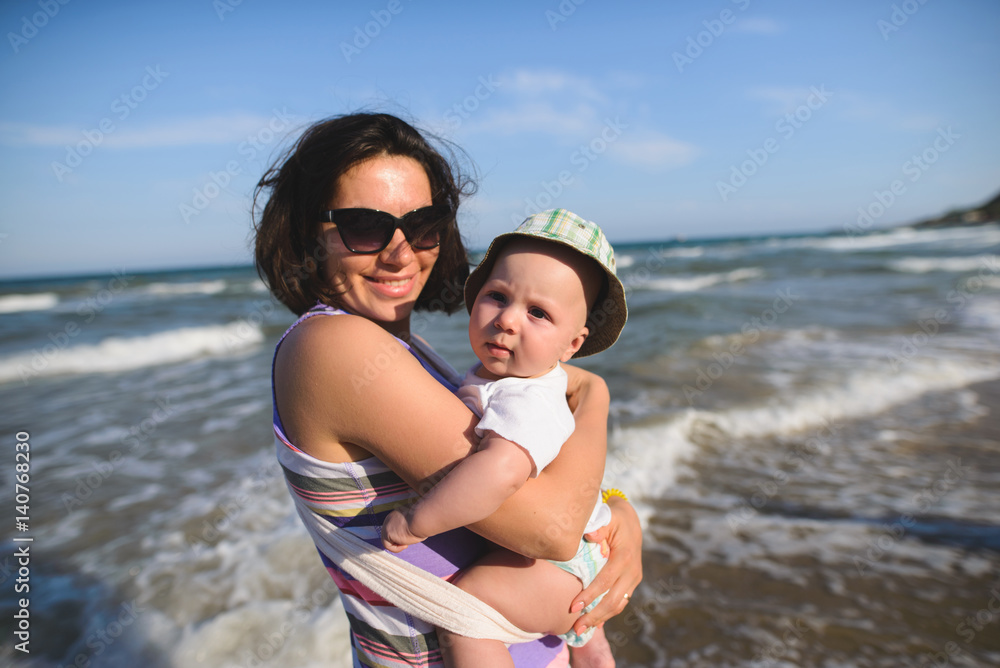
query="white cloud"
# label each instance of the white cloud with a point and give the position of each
(229, 129)
(542, 82)
(546, 101)
(786, 99)
(854, 106)
(652, 149)
(539, 117)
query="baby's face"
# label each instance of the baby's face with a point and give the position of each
(529, 314)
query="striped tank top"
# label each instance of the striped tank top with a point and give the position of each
(356, 497)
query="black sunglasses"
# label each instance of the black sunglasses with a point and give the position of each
(369, 231)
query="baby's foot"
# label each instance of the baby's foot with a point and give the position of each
(595, 654)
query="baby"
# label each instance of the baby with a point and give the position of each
(543, 294)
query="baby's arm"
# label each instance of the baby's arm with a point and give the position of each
(474, 489)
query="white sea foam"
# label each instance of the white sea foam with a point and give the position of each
(41, 301)
(228, 577)
(862, 394)
(693, 251)
(924, 265)
(647, 458)
(958, 237)
(695, 283)
(175, 289)
(983, 312)
(624, 261)
(122, 354)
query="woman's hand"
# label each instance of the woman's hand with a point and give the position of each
(623, 572)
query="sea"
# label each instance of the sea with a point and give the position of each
(809, 427)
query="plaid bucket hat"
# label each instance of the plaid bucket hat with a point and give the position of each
(607, 317)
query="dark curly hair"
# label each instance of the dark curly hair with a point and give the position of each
(287, 248)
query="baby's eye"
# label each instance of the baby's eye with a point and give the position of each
(536, 312)
(497, 296)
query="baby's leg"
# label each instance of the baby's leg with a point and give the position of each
(533, 594)
(461, 652)
(595, 654)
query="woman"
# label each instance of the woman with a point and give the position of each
(360, 224)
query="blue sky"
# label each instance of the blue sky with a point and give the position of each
(132, 134)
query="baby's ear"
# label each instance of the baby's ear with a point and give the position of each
(575, 344)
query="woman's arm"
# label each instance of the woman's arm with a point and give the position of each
(474, 489)
(346, 389)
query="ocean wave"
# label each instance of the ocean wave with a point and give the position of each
(221, 571)
(658, 255)
(624, 261)
(956, 237)
(693, 251)
(650, 456)
(117, 354)
(984, 312)
(924, 265)
(175, 289)
(694, 283)
(646, 459)
(41, 301)
(860, 395)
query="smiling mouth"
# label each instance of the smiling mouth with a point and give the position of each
(392, 283)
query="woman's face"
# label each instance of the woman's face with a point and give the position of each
(382, 287)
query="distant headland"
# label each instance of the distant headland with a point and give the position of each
(977, 215)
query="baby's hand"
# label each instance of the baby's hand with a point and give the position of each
(396, 535)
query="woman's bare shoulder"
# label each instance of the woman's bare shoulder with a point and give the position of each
(335, 343)
(344, 380)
